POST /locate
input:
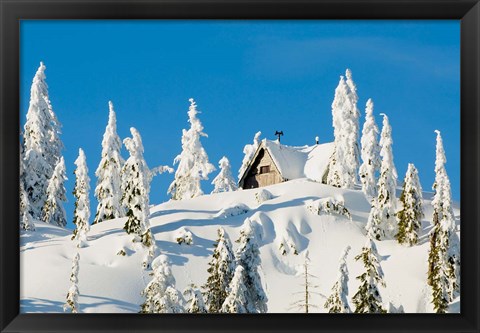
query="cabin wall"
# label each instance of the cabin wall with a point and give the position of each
(255, 178)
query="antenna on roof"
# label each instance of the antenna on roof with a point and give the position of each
(277, 133)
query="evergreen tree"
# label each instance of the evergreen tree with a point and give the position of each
(26, 220)
(53, 211)
(343, 165)
(108, 190)
(72, 295)
(81, 214)
(237, 299)
(249, 151)
(370, 153)
(248, 256)
(221, 269)
(193, 164)
(195, 303)
(337, 302)
(382, 222)
(410, 217)
(368, 299)
(136, 178)
(305, 303)
(444, 254)
(41, 144)
(224, 181)
(160, 293)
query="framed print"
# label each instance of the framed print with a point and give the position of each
(239, 166)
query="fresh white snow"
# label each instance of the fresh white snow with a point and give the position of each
(111, 282)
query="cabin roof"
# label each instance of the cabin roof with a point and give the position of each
(296, 162)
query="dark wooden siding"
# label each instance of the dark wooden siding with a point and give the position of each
(254, 178)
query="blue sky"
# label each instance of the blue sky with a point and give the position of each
(246, 76)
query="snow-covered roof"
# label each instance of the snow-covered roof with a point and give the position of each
(297, 162)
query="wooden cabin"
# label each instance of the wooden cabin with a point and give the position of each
(274, 163)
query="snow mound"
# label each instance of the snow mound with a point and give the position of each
(262, 196)
(233, 210)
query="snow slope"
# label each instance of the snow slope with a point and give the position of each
(112, 283)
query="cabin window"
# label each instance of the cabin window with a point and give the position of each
(265, 169)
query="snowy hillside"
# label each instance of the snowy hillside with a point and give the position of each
(109, 282)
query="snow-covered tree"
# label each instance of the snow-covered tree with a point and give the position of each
(195, 303)
(237, 299)
(249, 150)
(108, 190)
(248, 256)
(444, 254)
(343, 165)
(53, 211)
(136, 178)
(382, 222)
(26, 220)
(224, 181)
(41, 144)
(72, 295)
(221, 269)
(81, 214)
(305, 303)
(337, 302)
(193, 164)
(368, 299)
(370, 153)
(410, 217)
(160, 293)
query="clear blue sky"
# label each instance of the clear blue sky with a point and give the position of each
(246, 76)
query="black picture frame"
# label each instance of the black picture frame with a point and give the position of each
(12, 11)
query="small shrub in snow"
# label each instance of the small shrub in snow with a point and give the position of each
(329, 206)
(122, 253)
(184, 236)
(286, 246)
(262, 196)
(234, 210)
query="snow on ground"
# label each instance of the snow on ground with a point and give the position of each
(110, 282)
